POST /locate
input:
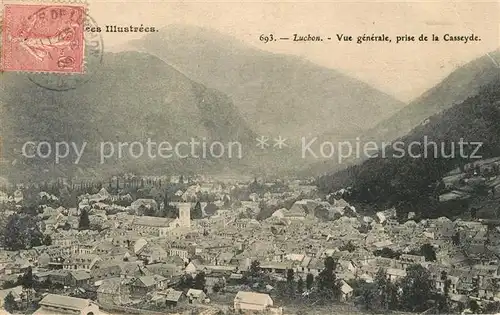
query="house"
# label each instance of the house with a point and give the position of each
(152, 225)
(235, 279)
(124, 270)
(196, 296)
(165, 269)
(395, 274)
(4, 198)
(381, 217)
(101, 196)
(488, 289)
(79, 278)
(459, 300)
(18, 196)
(224, 258)
(153, 254)
(346, 266)
(251, 301)
(406, 260)
(179, 252)
(346, 291)
(59, 304)
(467, 284)
(111, 291)
(131, 270)
(313, 265)
(443, 228)
(173, 297)
(147, 284)
(298, 211)
(106, 270)
(193, 267)
(141, 206)
(81, 262)
(276, 267)
(126, 239)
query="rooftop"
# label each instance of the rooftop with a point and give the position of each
(54, 300)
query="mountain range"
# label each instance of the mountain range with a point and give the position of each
(276, 94)
(461, 84)
(409, 183)
(131, 97)
(187, 82)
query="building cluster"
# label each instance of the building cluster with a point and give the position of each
(137, 262)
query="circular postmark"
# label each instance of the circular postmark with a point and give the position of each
(92, 50)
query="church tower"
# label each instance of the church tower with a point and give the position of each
(185, 214)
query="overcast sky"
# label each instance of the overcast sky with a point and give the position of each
(404, 70)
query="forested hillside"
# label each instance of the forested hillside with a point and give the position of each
(409, 183)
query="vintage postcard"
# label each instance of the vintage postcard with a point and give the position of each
(249, 157)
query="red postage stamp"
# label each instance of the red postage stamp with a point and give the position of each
(43, 38)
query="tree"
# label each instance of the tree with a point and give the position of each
(348, 247)
(200, 281)
(309, 281)
(474, 307)
(255, 187)
(9, 303)
(21, 232)
(473, 213)
(386, 252)
(227, 202)
(456, 239)
(290, 275)
(492, 308)
(428, 252)
(369, 297)
(166, 202)
(416, 289)
(322, 213)
(9, 284)
(66, 226)
(300, 286)
(12, 235)
(328, 284)
(186, 281)
(386, 291)
(217, 287)
(27, 283)
(47, 240)
(168, 210)
(27, 279)
(84, 223)
(196, 212)
(210, 209)
(290, 280)
(255, 268)
(443, 304)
